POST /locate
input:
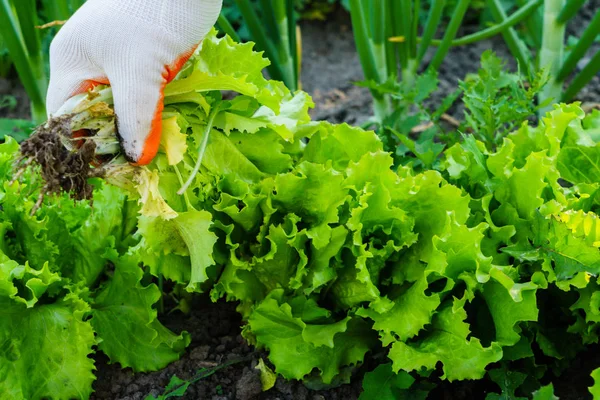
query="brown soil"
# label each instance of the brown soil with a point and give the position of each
(216, 339)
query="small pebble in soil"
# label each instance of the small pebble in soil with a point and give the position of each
(220, 348)
(249, 385)
(282, 386)
(132, 388)
(200, 353)
(301, 392)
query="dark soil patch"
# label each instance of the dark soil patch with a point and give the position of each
(216, 339)
(15, 100)
(331, 66)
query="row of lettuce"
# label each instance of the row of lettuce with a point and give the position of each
(484, 267)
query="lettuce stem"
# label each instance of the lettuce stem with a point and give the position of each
(202, 150)
(188, 204)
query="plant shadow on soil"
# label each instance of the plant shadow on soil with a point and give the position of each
(330, 67)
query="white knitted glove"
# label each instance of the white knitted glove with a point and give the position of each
(137, 46)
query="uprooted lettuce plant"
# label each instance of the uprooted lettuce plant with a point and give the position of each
(484, 268)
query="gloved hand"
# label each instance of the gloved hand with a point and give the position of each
(136, 46)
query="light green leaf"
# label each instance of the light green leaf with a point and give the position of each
(314, 193)
(223, 64)
(412, 310)
(580, 164)
(446, 342)
(124, 318)
(533, 177)
(296, 347)
(545, 393)
(293, 113)
(509, 382)
(384, 384)
(45, 351)
(173, 141)
(267, 376)
(222, 157)
(264, 149)
(340, 144)
(194, 229)
(595, 389)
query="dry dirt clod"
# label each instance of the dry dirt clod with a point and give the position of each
(63, 170)
(249, 385)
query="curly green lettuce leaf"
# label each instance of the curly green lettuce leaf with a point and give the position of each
(340, 144)
(428, 199)
(32, 284)
(46, 351)
(509, 382)
(571, 256)
(354, 284)
(30, 239)
(324, 262)
(244, 206)
(313, 192)
(297, 347)
(84, 233)
(124, 318)
(180, 249)
(223, 158)
(411, 311)
(223, 64)
(264, 149)
(194, 229)
(507, 313)
(293, 113)
(69, 236)
(587, 312)
(580, 164)
(384, 384)
(533, 177)
(595, 389)
(45, 347)
(548, 136)
(457, 252)
(545, 393)
(279, 261)
(284, 265)
(374, 214)
(447, 342)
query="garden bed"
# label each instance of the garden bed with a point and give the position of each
(330, 67)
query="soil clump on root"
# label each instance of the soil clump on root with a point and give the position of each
(63, 170)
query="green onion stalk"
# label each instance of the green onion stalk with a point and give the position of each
(387, 42)
(17, 27)
(552, 50)
(275, 34)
